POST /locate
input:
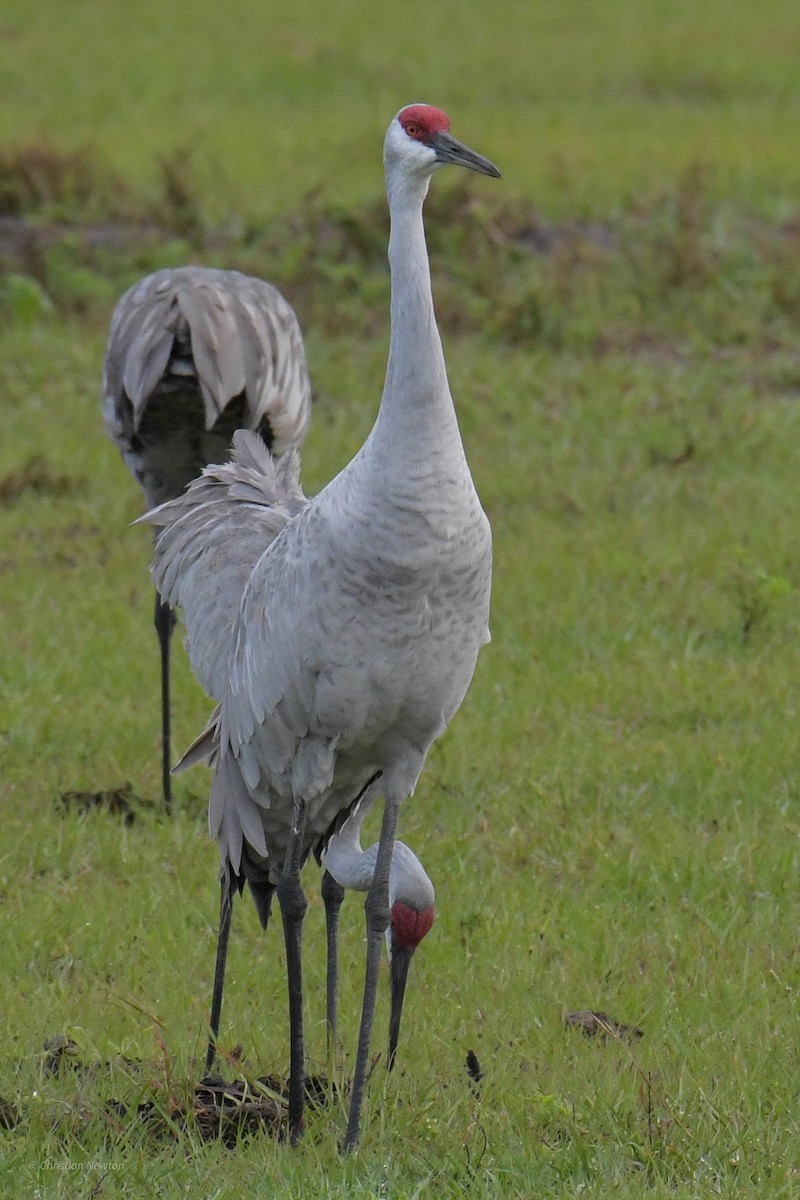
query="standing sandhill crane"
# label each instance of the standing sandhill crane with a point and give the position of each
(337, 635)
(193, 354)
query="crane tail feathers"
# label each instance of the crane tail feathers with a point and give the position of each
(262, 894)
(203, 749)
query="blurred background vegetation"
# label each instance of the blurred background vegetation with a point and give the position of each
(611, 821)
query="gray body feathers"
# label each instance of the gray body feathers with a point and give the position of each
(193, 354)
(333, 669)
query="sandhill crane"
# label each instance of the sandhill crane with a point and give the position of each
(193, 354)
(337, 635)
(348, 866)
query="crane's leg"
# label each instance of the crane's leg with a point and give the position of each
(378, 916)
(165, 623)
(227, 891)
(293, 908)
(332, 896)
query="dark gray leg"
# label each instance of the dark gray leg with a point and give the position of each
(165, 623)
(378, 916)
(227, 888)
(293, 908)
(332, 896)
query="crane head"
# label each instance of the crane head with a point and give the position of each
(407, 929)
(420, 136)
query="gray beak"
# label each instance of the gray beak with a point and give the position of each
(401, 960)
(450, 150)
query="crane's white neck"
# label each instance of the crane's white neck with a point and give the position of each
(415, 376)
(353, 867)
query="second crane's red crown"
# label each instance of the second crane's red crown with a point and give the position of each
(409, 927)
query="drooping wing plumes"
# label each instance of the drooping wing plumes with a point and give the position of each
(206, 553)
(218, 558)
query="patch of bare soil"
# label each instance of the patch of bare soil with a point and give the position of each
(37, 476)
(227, 1109)
(121, 801)
(600, 1024)
(9, 1114)
(224, 1109)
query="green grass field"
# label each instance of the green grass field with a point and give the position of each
(612, 821)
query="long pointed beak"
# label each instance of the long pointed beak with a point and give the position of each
(450, 150)
(401, 960)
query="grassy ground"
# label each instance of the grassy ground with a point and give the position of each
(612, 821)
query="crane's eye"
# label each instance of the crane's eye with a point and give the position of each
(412, 129)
